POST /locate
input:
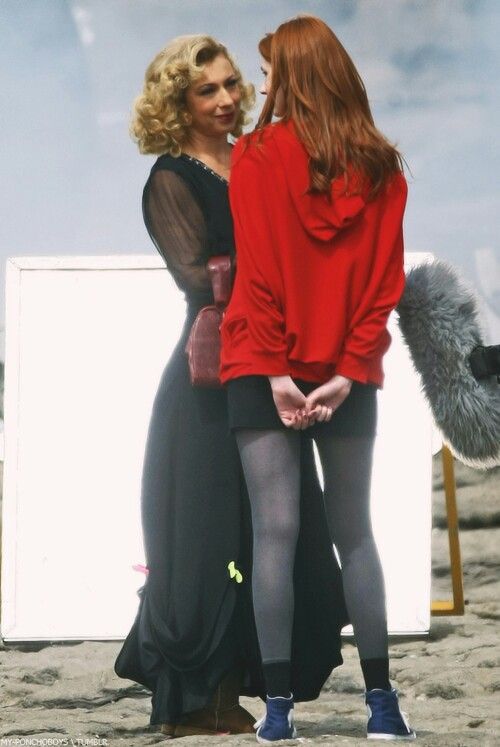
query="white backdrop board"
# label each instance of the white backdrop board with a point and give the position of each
(402, 486)
(87, 341)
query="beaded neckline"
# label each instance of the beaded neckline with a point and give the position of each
(205, 167)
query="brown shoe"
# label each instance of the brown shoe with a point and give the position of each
(223, 715)
(168, 730)
(191, 724)
(235, 720)
(230, 716)
(203, 721)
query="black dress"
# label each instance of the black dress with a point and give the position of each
(195, 621)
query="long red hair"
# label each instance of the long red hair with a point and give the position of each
(326, 99)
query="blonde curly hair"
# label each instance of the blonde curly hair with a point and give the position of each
(159, 123)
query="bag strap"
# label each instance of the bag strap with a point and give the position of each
(220, 271)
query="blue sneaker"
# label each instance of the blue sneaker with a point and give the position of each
(278, 722)
(385, 720)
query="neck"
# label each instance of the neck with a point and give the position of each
(202, 146)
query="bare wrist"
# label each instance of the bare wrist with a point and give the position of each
(347, 380)
(277, 381)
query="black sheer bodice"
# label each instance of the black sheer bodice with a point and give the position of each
(186, 211)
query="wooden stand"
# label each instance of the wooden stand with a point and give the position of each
(456, 605)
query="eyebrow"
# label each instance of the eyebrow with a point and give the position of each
(230, 77)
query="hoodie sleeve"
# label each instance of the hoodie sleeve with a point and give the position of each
(252, 193)
(368, 338)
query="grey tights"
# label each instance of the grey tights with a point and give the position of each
(271, 460)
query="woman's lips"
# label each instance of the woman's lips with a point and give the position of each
(226, 117)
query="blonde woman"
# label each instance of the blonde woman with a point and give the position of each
(193, 643)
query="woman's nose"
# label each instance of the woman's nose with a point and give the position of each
(225, 98)
(263, 89)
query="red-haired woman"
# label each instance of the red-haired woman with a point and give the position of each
(318, 200)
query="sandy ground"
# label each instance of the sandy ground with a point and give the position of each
(449, 683)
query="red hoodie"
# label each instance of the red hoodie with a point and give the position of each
(316, 279)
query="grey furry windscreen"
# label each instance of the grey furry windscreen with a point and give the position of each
(438, 317)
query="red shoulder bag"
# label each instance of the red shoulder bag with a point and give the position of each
(203, 345)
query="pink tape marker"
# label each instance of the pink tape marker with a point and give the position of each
(141, 568)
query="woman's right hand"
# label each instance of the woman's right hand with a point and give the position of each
(326, 398)
(290, 403)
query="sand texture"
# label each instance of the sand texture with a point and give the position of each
(449, 683)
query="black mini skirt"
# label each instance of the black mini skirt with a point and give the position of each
(251, 405)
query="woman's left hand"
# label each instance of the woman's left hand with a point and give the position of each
(325, 399)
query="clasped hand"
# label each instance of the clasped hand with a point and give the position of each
(298, 411)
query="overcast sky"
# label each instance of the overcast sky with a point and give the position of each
(72, 178)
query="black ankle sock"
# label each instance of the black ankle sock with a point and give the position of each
(376, 673)
(277, 678)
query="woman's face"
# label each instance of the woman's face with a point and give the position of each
(213, 101)
(279, 104)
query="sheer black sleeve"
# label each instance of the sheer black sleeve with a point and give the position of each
(177, 227)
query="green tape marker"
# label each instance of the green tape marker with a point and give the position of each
(234, 572)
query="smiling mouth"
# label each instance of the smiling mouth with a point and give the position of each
(225, 116)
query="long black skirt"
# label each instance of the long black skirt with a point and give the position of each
(195, 621)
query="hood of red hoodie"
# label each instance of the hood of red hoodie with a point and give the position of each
(322, 215)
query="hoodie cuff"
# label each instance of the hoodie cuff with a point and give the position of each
(270, 363)
(353, 367)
